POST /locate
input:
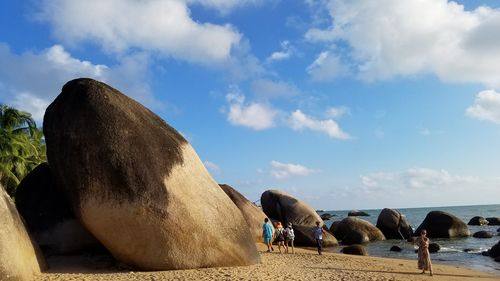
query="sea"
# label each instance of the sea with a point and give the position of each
(452, 250)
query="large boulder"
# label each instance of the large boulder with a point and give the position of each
(493, 220)
(138, 186)
(49, 217)
(443, 225)
(20, 258)
(394, 225)
(283, 207)
(477, 220)
(253, 215)
(352, 230)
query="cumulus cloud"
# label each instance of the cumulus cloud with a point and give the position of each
(225, 6)
(388, 38)
(300, 121)
(327, 67)
(337, 112)
(415, 178)
(486, 107)
(286, 170)
(30, 81)
(258, 116)
(269, 89)
(285, 53)
(160, 26)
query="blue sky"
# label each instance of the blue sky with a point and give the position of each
(344, 104)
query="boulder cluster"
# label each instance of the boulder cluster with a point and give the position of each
(119, 179)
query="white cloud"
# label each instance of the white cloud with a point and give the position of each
(30, 81)
(285, 53)
(226, 6)
(486, 107)
(258, 116)
(160, 26)
(337, 112)
(390, 38)
(415, 178)
(327, 67)
(300, 121)
(285, 170)
(268, 89)
(212, 167)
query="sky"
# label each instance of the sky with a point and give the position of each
(345, 104)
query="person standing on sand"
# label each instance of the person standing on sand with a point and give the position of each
(267, 234)
(424, 259)
(289, 237)
(280, 235)
(318, 235)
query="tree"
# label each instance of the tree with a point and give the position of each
(21, 146)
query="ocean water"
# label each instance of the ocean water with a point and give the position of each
(452, 250)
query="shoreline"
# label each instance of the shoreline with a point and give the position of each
(305, 264)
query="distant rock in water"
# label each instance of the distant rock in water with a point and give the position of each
(396, 249)
(434, 247)
(359, 250)
(280, 206)
(326, 216)
(494, 252)
(20, 258)
(394, 225)
(482, 234)
(138, 186)
(498, 230)
(49, 217)
(357, 213)
(253, 215)
(477, 220)
(493, 221)
(353, 230)
(443, 225)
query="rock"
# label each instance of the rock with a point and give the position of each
(434, 247)
(325, 216)
(467, 250)
(482, 234)
(443, 225)
(477, 220)
(253, 215)
(20, 258)
(394, 225)
(495, 250)
(357, 213)
(396, 249)
(49, 217)
(359, 250)
(485, 253)
(498, 230)
(493, 221)
(353, 230)
(283, 207)
(497, 259)
(138, 186)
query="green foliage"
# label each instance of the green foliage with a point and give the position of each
(21, 147)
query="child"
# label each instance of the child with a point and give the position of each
(290, 236)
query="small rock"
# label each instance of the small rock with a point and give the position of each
(493, 221)
(482, 234)
(396, 249)
(434, 247)
(497, 259)
(477, 220)
(485, 253)
(359, 250)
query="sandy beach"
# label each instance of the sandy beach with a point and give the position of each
(305, 264)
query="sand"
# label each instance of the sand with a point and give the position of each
(303, 265)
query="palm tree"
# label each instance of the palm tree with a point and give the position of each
(21, 146)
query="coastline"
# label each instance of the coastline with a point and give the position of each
(305, 264)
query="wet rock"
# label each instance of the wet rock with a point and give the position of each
(396, 249)
(477, 220)
(359, 250)
(482, 234)
(493, 221)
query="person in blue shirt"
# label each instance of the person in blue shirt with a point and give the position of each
(318, 235)
(267, 234)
